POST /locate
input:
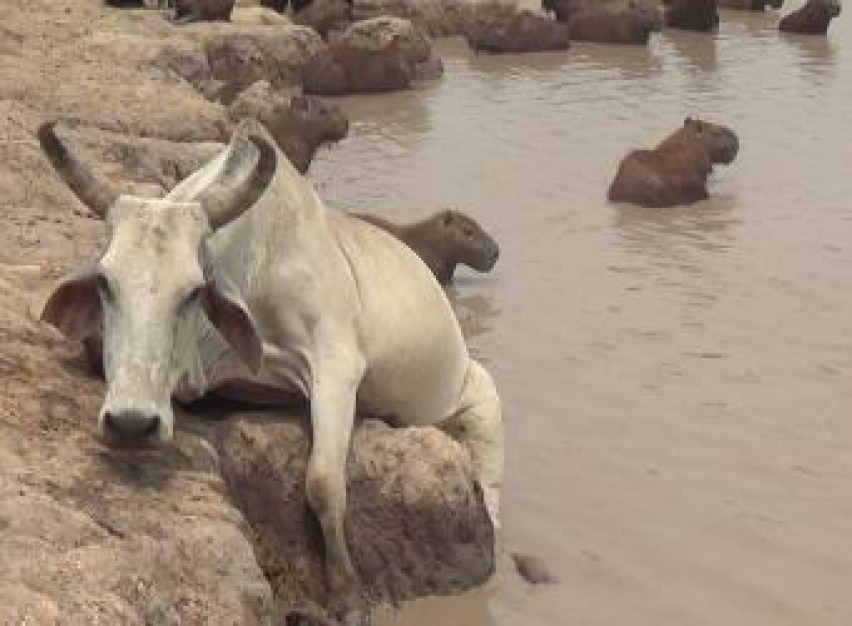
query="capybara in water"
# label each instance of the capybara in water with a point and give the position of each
(523, 31)
(343, 68)
(811, 19)
(443, 241)
(676, 171)
(701, 15)
(631, 25)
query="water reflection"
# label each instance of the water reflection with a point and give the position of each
(473, 310)
(704, 226)
(813, 52)
(632, 62)
(695, 51)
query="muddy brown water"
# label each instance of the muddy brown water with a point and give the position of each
(676, 382)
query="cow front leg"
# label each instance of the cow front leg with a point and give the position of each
(333, 395)
(478, 426)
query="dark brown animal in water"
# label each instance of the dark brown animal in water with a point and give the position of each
(751, 5)
(343, 68)
(811, 19)
(523, 31)
(189, 11)
(676, 171)
(304, 126)
(700, 15)
(443, 241)
(631, 25)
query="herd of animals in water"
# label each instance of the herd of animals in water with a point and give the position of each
(177, 309)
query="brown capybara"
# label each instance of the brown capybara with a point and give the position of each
(343, 68)
(811, 19)
(305, 125)
(443, 241)
(676, 171)
(523, 31)
(189, 11)
(751, 5)
(631, 25)
(700, 15)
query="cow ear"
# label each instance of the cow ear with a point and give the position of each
(74, 307)
(228, 313)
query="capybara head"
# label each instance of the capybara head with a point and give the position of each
(466, 241)
(646, 16)
(324, 120)
(721, 142)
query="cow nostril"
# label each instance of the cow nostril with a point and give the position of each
(131, 426)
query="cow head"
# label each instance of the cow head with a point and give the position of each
(155, 282)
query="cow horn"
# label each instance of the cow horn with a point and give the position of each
(242, 173)
(98, 195)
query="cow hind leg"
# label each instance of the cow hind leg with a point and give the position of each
(478, 425)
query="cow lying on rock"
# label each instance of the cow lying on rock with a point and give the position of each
(241, 279)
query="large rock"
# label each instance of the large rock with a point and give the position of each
(415, 44)
(415, 523)
(439, 18)
(522, 32)
(239, 57)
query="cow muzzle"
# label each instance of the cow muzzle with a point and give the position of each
(134, 427)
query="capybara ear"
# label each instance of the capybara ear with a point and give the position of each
(687, 121)
(447, 217)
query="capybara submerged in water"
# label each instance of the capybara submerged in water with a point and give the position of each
(631, 25)
(811, 19)
(700, 15)
(443, 241)
(676, 171)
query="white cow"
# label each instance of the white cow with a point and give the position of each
(240, 279)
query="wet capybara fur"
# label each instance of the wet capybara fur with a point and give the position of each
(811, 19)
(443, 241)
(700, 15)
(675, 172)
